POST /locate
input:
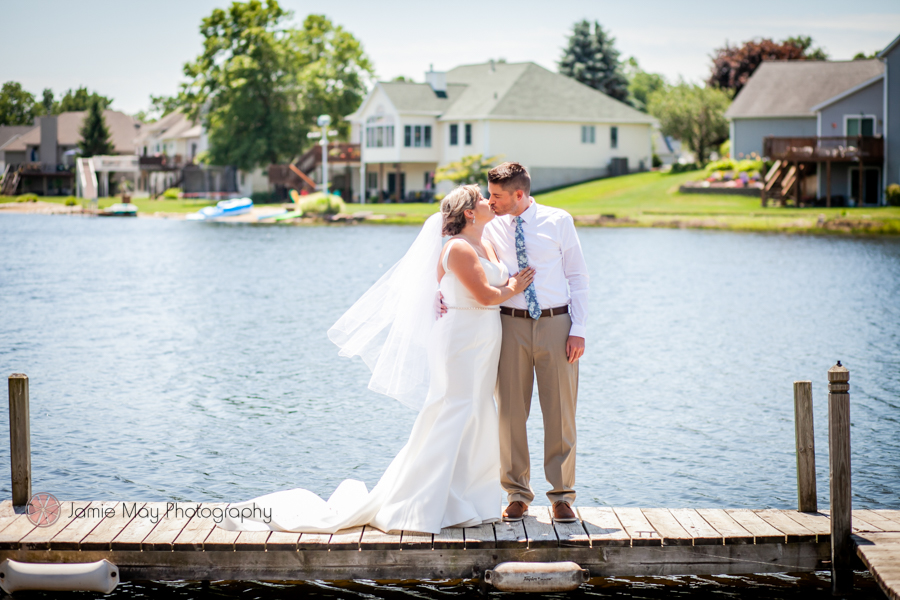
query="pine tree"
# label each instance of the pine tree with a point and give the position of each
(592, 59)
(95, 139)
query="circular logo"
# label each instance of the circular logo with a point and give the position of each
(43, 509)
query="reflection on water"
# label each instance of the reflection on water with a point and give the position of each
(189, 361)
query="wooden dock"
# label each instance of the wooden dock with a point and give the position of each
(183, 543)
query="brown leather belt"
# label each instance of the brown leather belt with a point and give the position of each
(545, 312)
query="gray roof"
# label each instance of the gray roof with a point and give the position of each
(529, 91)
(512, 91)
(10, 132)
(792, 88)
(419, 97)
(122, 131)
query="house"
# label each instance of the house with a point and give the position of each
(563, 131)
(45, 154)
(164, 148)
(824, 122)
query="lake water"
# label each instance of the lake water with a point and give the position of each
(174, 360)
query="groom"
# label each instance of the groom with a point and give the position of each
(543, 335)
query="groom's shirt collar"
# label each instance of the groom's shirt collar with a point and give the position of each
(528, 214)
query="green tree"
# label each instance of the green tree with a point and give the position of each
(81, 99)
(641, 84)
(693, 114)
(16, 105)
(805, 43)
(864, 56)
(95, 137)
(592, 59)
(259, 84)
(47, 102)
(469, 169)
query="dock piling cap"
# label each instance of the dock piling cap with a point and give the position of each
(838, 373)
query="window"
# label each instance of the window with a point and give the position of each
(587, 134)
(860, 126)
(468, 134)
(429, 180)
(380, 136)
(371, 180)
(613, 137)
(407, 136)
(418, 136)
(454, 134)
(427, 132)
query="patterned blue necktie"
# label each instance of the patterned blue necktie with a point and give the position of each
(534, 309)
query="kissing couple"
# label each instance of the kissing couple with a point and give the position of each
(494, 333)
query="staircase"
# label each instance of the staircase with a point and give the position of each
(86, 178)
(782, 183)
(10, 181)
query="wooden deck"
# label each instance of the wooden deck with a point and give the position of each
(880, 550)
(184, 544)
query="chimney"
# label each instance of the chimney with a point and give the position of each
(49, 148)
(437, 80)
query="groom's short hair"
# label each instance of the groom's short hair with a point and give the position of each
(511, 176)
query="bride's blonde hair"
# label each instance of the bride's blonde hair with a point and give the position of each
(454, 207)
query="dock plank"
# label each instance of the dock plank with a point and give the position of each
(346, 539)
(880, 552)
(794, 531)
(414, 540)
(763, 532)
(668, 527)
(539, 528)
(39, 537)
(101, 536)
(70, 538)
(220, 540)
(449, 538)
(478, 537)
(603, 526)
(197, 529)
(510, 535)
(874, 518)
(570, 535)
(252, 541)
(893, 515)
(283, 541)
(701, 532)
(314, 541)
(858, 524)
(374, 539)
(731, 531)
(172, 520)
(638, 527)
(148, 517)
(15, 531)
(818, 523)
(7, 514)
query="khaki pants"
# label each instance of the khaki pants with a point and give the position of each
(537, 347)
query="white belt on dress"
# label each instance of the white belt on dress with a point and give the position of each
(474, 307)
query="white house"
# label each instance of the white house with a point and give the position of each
(563, 131)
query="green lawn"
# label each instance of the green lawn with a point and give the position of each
(653, 200)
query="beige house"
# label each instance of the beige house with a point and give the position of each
(563, 131)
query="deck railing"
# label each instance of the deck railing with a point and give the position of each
(814, 149)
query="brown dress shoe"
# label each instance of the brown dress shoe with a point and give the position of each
(563, 513)
(516, 511)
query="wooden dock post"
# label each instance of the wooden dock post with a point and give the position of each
(839, 476)
(19, 439)
(806, 447)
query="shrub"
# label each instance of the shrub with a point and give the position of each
(263, 197)
(320, 203)
(655, 161)
(171, 194)
(725, 149)
(71, 201)
(684, 168)
(892, 194)
(27, 198)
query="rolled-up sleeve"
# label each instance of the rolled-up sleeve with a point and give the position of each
(576, 273)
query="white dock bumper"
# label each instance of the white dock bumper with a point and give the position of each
(536, 577)
(100, 576)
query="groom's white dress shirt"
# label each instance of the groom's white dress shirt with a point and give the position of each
(554, 251)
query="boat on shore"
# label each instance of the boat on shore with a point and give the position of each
(120, 209)
(224, 208)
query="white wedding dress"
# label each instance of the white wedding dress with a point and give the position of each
(448, 473)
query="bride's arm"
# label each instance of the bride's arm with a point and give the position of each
(464, 263)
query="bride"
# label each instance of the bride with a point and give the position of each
(448, 473)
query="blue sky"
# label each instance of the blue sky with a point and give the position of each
(129, 50)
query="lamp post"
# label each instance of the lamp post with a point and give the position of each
(323, 121)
